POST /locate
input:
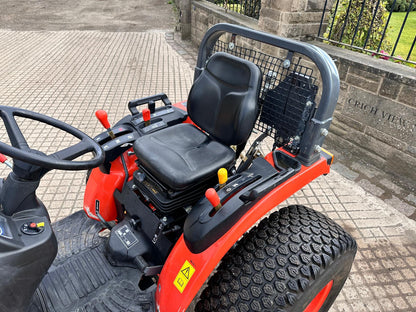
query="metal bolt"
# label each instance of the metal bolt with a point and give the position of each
(286, 63)
(324, 132)
(318, 148)
(164, 219)
(309, 103)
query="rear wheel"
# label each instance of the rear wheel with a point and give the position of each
(297, 259)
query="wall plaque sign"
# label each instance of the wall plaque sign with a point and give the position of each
(385, 115)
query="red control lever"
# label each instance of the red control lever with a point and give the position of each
(3, 159)
(146, 116)
(103, 118)
(213, 198)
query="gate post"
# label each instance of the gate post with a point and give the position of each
(184, 7)
(298, 19)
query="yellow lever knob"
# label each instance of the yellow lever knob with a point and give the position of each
(222, 176)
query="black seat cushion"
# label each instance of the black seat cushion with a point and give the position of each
(223, 103)
(182, 155)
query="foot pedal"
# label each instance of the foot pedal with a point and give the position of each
(145, 268)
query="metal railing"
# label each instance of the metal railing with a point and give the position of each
(249, 8)
(363, 25)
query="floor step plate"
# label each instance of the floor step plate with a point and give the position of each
(82, 280)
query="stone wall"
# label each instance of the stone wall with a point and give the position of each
(375, 117)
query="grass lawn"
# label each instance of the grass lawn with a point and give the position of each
(408, 34)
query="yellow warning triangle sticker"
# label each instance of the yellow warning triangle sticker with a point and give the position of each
(183, 277)
(186, 272)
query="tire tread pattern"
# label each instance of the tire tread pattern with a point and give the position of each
(276, 262)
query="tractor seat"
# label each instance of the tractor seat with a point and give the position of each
(223, 104)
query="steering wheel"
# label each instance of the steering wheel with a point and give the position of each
(62, 159)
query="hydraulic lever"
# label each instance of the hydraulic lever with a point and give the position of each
(146, 116)
(213, 198)
(222, 177)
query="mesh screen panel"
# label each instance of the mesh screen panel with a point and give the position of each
(287, 96)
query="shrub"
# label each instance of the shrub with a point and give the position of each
(247, 7)
(349, 15)
(400, 6)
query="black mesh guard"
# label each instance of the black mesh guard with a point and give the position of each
(287, 98)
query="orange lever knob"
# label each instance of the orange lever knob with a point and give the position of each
(213, 198)
(3, 159)
(146, 114)
(103, 118)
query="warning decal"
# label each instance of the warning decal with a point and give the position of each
(183, 277)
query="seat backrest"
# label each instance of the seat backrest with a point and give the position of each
(223, 100)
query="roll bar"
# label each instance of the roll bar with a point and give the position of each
(314, 135)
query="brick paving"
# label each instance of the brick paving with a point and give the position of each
(70, 74)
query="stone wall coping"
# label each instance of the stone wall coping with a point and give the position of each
(229, 16)
(394, 71)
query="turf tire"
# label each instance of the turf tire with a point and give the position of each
(282, 264)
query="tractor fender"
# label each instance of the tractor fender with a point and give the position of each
(184, 272)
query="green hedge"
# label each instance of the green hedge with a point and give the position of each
(401, 5)
(346, 24)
